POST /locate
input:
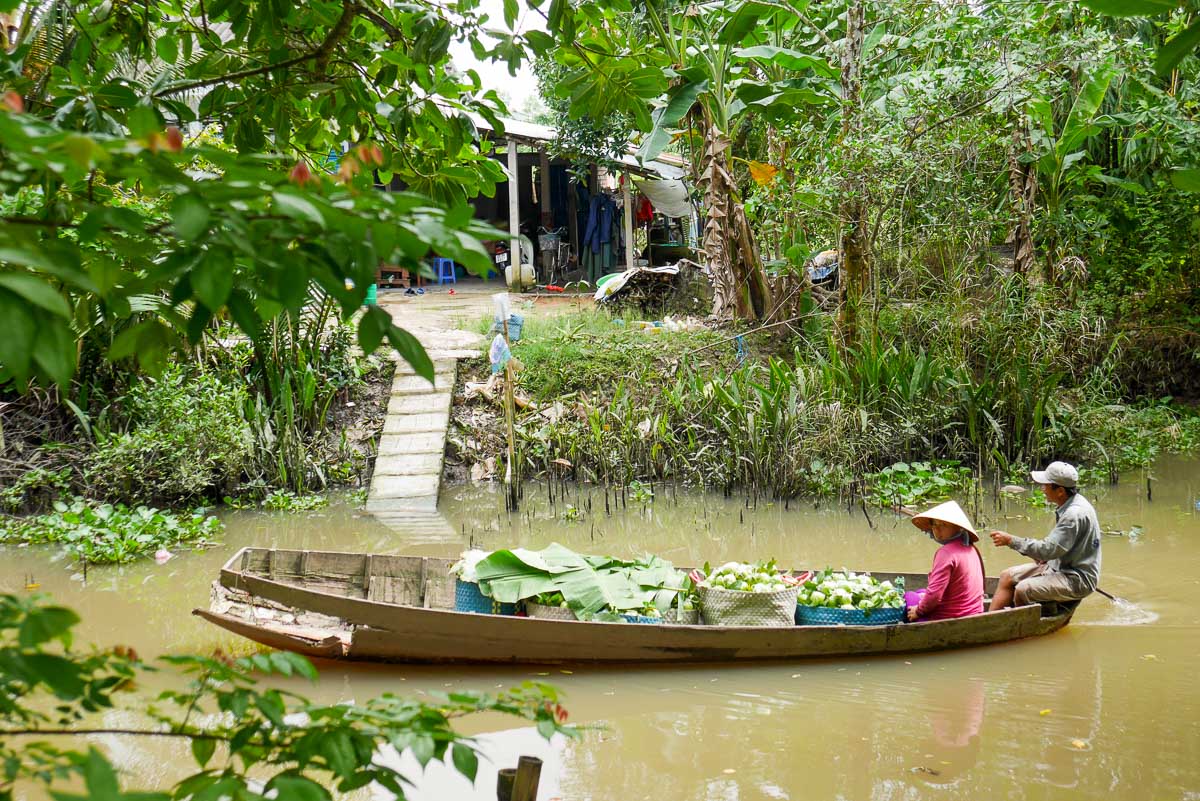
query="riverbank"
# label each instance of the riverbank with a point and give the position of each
(1014, 384)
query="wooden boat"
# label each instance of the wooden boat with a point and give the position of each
(401, 609)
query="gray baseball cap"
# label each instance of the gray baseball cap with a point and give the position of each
(1060, 473)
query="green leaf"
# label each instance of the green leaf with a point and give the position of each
(54, 351)
(298, 207)
(743, 21)
(1187, 180)
(212, 278)
(679, 101)
(190, 215)
(37, 292)
(466, 761)
(16, 345)
(372, 328)
(294, 787)
(338, 751)
(1078, 126)
(1178, 46)
(411, 350)
(167, 48)
(202, 750)
(143, 120)
(1131, 8)
(45, 623)
(59, 674)
(787, 58)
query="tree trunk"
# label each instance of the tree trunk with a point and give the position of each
(739, 284)
(852, 208)
(1022, 181)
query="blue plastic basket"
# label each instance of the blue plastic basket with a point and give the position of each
(468, 598)
(641, 619)
(822, 616)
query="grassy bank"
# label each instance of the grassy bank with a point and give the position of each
(994, 388)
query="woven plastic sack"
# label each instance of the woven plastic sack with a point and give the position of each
(721, 607)
(545, 612)
(682, 617)
(468, 598)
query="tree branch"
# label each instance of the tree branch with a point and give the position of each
(123, 732)
(321, 54)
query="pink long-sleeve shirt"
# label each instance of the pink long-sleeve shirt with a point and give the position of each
(955, 584)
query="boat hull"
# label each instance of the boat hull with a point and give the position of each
(383, 631)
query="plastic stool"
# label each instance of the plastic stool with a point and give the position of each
(444, 270)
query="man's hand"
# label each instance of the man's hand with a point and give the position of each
(912, 614)
(1001, 538)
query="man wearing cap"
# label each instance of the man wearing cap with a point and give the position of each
(1067, 562)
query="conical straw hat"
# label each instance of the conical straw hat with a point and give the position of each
(950, 512)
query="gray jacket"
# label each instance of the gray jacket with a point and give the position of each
(1073, 547)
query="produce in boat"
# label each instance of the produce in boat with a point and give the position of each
(846, 590)
(746, 577)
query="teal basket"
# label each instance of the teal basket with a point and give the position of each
(641, 619)
(468, 598)
(822, 616)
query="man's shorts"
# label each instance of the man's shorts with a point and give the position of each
(1037, 584)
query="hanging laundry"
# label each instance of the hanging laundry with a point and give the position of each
(645, 210)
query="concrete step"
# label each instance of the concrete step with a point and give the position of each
(417, 423)
(428, 403)
(418, 486)
(404, 514)
(409, 464)
(441, 366)
(415, 385)
(406, 442)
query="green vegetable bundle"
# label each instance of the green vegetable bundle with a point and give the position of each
(845, 590)
(746, 577)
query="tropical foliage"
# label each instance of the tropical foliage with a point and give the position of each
(189, 163)
(247, 739)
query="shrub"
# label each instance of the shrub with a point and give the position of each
(186, 437)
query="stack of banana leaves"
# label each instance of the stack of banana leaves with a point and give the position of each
(594, 587)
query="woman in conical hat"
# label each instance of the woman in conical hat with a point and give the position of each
(955, 587)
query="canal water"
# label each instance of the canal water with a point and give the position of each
(1109, 707)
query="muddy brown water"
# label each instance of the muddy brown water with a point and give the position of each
(1110, 707)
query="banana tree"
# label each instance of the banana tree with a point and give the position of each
(704, 70)
(1058, 151)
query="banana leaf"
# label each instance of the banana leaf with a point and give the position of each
(591, 584)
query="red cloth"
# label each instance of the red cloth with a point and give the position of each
(645, 211)
(955, 584)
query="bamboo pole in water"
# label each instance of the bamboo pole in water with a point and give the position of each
(519, 783)
(512, 473)
(529, 774)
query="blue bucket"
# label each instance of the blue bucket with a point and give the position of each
(468, 598)
(641, 619)
(822, 616)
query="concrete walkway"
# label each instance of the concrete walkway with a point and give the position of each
(408, 467)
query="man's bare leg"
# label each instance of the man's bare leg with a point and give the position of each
(1004, 592)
